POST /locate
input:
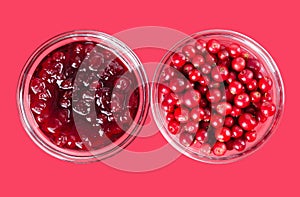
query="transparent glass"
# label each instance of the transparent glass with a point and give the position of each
(264, 130)
(120, 50)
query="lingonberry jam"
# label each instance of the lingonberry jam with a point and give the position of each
(215, 96)
(83, 96)
(84, 82)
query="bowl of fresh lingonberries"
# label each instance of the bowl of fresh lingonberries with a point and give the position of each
(83, 96)
(218, 96)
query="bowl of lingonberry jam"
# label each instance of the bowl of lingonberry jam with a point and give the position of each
(83, 96)
(218, 96)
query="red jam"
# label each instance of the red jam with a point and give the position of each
(83, 97)
(215, 95)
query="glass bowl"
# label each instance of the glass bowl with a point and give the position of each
(113, 48)
(165, 73)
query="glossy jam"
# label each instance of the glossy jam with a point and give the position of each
(83, 97)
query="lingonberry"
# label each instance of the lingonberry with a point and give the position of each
(252, 85)
(254, 65)
(229, 121)
(236, 131)
(234, 50)
(200, 45)
(235, 87)
(194, 75)
(191, 98)
(217, 121)
(219, 73)
(205, 69)
(186, 138)
(268, 109)
(224, 108)
(214, 95)
(189, 51)
(247, 121)
(219, 149)
(197, 114)
(242, 100)
(223, 134)
(239, 144)
(245, 76)
(178, 60)
(181, 114)
(174, 127)
(198, 60)
(223, 94)
(265, 84)
(213, 46)
(250, 136)
(223, 54)
(201, 135)
(255, 96)
(238, 64)
(187, 68)
(231, 77)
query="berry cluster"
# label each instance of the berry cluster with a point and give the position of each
(79, 96)
(214, 95)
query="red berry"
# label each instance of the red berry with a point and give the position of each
(239, 144)
(217, 121)
(200, 46)
(214, 95)
(189, 51)
(181, 115)
(194, 75)
(235, 111)
(191, 98)
(234, 50)
(174, 127)
(187, 68)
(223, 54)
(265, 84)
(268, 109)
(247, 121)
(252, 85)
(219, 149)
(255, 96)
(223, 134)
(198, 60)
(253, 65)
(229, 122)
(236, 131)
(197, 114)
(191, 127)
(201, 135)
(178, 84)
(250, 136)
(242, 100)
(235, 87)
(219, 73)
(213, 46)
(238, 64)
(224, 108)
(245, 76)
(266, 97)
(231, 77)
(205, 69)
(178, 60)
(186, 138)
(170, 116)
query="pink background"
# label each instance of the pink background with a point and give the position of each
(28, 171)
